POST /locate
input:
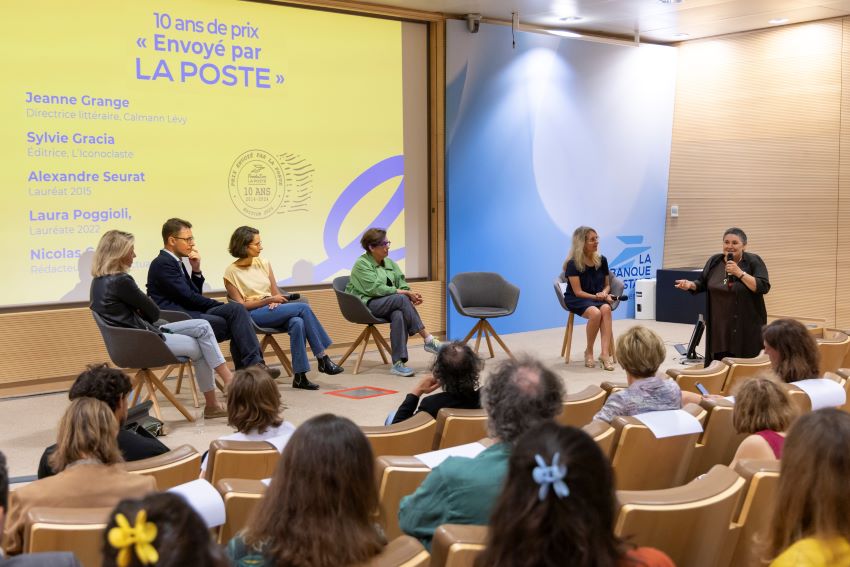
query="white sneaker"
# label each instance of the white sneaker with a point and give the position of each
(399, 369)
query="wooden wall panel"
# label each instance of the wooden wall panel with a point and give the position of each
(43, 350)
(842, 306)
(756, 144)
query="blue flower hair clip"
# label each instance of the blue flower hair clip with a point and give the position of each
(554, 475)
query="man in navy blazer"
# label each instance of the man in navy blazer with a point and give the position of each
(172, 288)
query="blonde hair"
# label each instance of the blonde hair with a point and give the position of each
(577, 249)
(109, 256)
(761, 403)
(88, 430)
(640, 351)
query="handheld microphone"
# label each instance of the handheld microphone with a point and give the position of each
(729, 277)
(620, 297)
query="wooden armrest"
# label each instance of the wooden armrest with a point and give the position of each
(748, 468)
(611, 386)
(718, 479)
(418, 420)
(240, 485)
(173, 456)
(711, 369)
(587, 393)
(758, 360)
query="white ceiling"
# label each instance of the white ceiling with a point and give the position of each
(655, 20)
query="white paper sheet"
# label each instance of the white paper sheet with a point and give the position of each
(823, 392)
(204, 499)
(670, 423)
(434, 458)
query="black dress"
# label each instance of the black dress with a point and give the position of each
(735, 315)
(592, 280)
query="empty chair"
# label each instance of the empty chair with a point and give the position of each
(142, 349)
(719, 440)
(742, 368)
(403, 551)
(457, 545)
(712, 377)
(240, 497)
(240, 459)
(579, 408)
(459, 426)
(603, 434)
(355, 311)
(689, 523)
(409, 437)
(643, 462)
(78, 530)
(756, 510)
(178, 466)
(484, 295)
(832, 352)
(396, 477)
(560, 284)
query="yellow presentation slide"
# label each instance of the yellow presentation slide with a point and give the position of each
(120, 115)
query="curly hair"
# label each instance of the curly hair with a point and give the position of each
(253, 401)
(182, 537)
(518, 395)
(100, 381)
(457, 368)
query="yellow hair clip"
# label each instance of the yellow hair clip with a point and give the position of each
(141, 536)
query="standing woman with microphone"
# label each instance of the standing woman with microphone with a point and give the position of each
(736, 282)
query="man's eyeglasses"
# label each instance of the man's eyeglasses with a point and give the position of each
(189, 240)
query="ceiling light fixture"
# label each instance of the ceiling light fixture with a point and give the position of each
(670, 1)
(563, 33)
(681, 35)
(572, 19)
(778, 21)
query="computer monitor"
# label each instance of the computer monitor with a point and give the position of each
(690, 352)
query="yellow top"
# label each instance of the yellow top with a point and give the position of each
(813, 552)
(251, 281)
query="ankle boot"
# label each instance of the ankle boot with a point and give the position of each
(301, 381)
(327, 366)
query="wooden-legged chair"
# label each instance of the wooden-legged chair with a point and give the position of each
(356, 312)
(484, 296)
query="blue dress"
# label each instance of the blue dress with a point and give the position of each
(592, 280)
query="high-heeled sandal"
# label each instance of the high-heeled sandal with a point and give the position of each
(607, 364)
(588, 360)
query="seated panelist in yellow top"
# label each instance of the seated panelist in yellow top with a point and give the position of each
(250, 281)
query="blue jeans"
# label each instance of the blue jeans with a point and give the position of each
(303, 327)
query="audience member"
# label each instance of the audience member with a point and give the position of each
(119, 301)
(517, 396)
(640, 351)
(813, 526)
(111, 386)
(85, 458)
(319, 508)
(160, 529)
(456, 369)
(764, 412)
(792, 350)
(171, 287)
(30, 559)
(254, 409)
(558, 507)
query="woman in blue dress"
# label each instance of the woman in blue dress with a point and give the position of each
(587, 294)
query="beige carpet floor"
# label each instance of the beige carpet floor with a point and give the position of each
(29, 422)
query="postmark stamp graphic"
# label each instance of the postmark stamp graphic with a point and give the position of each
(256, 184)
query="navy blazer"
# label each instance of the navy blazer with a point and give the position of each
(171, 288)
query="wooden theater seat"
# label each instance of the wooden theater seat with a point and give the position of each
(78, 530)
(756, 510)
(742, 368)
(712, 377)
(579, 408)
(603, 434)
(240, 497)
(403, 551)
(178, 466)
(409, 437)
(833, 352)
(459, 426)
(254, 460)
(457, 546)
(689, 523)
(719, 440)
(396, 477)
(643, 462)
